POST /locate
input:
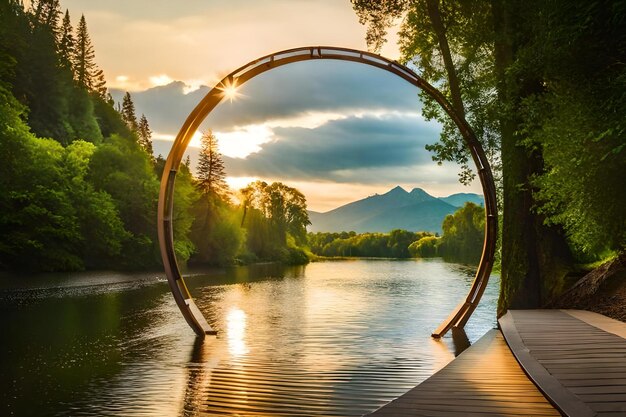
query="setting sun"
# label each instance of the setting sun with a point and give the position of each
(229, 89)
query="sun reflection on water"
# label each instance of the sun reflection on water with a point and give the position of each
(236, 332)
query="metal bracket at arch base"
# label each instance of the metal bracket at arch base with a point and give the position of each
(194, 317)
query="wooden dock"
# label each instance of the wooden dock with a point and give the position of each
(576, 358)
(483, 380)
(573, 363)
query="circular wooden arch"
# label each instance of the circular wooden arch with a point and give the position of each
(459, 316)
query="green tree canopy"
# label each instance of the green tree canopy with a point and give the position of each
(39, 226)
(283, 206)
(463, 234)
(426, 247)
(122, 169)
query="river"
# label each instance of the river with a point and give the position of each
(336, 338)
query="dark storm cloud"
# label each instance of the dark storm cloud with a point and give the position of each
(289, 91)
(339, 149)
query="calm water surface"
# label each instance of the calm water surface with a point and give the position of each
(332, 338)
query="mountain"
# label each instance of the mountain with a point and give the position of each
(457, 200)
(396, 209)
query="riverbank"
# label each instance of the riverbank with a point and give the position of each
(602, 290)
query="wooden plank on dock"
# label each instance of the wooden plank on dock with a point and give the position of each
(484, 380)
(576, 358)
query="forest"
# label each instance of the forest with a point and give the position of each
(79, 182)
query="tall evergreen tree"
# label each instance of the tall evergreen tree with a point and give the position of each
(37, 79)
(66, 44)
(128, 112)
(46, 13)
(87, 73)
(145, 135)
(211, 172)
(99, 84)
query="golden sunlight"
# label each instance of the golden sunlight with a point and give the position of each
(236, 332)
(237, 183)
(161, 79)
(239, 143)
(196, 140)
(229, 89)
(230, 92)
(243, 141)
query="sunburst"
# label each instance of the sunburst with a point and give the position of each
(229, 89)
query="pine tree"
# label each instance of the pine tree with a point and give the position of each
(39, 81)
(99, 84)
(145, 135)
(66, 44)
(210, 171)
(128, 112)
(46, 13)
(87, 73)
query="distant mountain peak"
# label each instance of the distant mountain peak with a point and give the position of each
(418, 191)
(459, 199)
(396, 209)
(417, 194)
(396, 190)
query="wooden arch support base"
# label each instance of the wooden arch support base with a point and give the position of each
(190, 311)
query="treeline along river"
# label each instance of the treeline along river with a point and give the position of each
(330, 338)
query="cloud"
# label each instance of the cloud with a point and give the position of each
(311, 123)
(293, 91)
(166, 107)
(316, 86)
(342, 150)
(161, 79)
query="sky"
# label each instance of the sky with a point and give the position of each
(338, 131)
